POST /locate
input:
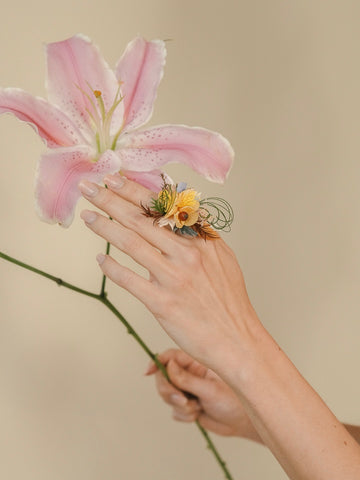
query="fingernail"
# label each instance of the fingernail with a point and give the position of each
(88, 189)
(100, 258)
(179, 400)
(149, 369)
(88, 216)
(114, 181)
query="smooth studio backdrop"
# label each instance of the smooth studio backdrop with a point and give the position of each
(281, 80)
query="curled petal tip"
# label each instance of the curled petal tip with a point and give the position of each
(58, 176)
(206, 152)
(51, 124)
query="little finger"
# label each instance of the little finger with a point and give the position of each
(185, 417)
(169, 393)
(139, 287)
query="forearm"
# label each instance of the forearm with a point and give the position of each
(292, 420)
(215, 325)
(252, 433)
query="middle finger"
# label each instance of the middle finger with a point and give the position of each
(130, 243)
(130, 216)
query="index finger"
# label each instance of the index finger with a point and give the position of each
(129, 190)
(183, 359)
(129, 215)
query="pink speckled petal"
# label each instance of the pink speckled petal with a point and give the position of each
(151, 180)
(59, 174)
(140, 71)
(206, 152)
(55, 128)
(75, 66)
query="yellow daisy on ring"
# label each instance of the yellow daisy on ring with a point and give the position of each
(186, 217)
(181, 209)
(185, 209)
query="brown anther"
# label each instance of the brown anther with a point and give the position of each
(183, 216)
(97, 93)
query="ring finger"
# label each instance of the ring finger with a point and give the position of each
(128, 242)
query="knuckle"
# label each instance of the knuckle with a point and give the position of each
(134, 220)
(124, 278)
(105, 199)
(180, 379)
(167, 306)
(192, 257)
(188, 266)
(171, 352)
(130, 243)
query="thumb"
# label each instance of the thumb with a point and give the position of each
(189, 382)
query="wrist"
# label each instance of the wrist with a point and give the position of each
(242, 351)
(289, 416)
(251, 358)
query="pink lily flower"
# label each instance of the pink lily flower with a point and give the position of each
(90, 124)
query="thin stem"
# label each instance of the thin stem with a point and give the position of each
(57, 280)
(135, 335)
(212, 448)
(103, 299)
(107, 251)
(103, 284)
(161, 367)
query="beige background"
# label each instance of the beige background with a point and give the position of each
(281, 80)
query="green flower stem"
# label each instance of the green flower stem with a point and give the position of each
(132, 332)
(102, 292)
(104, 300)
(107, 251)
(57, 280)
(212, 448)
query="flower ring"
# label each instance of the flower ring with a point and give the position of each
(181, 208)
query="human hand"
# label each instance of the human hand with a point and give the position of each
(212, 403)
(195, 287)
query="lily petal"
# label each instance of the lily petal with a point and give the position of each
(59, 174)
(151, 180)
(75, 69)
(206, 152)
(55, 128)
(140, 70)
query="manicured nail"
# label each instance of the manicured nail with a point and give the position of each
(114, 181)
(88, 189)
(149, 368)
(88, 216)
(100, 258)
(178, 399)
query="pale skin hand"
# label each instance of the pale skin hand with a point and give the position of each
(188, 278)
(197, 292)
(217, 408)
